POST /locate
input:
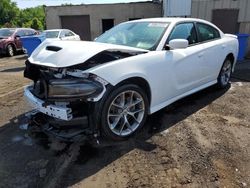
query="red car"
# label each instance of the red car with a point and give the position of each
(10, 41)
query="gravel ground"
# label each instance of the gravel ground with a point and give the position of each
(200, 141)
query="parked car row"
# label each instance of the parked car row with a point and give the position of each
(11, 43)
(61, 34)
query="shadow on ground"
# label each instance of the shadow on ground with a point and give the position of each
(21, 57)
(17, 69)
(93, 159)
(24, 162)
(242, 71)
(31, 162)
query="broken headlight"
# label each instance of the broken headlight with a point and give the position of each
(73, 88)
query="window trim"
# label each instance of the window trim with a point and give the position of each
(199, 40)
(184, 22)
(196, 29)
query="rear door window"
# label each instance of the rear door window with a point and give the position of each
(207, 32)
(68, 33)
(62, 34)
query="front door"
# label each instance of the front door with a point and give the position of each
(215, 47)
(187, 64)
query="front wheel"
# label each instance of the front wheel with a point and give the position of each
(124, 112)
(225, 74)
(10, 50)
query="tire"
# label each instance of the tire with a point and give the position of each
(225, 74)
(10, 50)
(124, 112)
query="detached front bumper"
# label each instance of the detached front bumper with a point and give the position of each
(57, 121)
(63, 113)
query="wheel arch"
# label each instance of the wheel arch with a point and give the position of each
(95, 108)
(139, 81)
(231, 57)
(12, 44)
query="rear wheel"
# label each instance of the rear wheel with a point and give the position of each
(124, 112)
(10, 50)
(225, 74)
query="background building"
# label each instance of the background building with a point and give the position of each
(233, 16)
(89, 21)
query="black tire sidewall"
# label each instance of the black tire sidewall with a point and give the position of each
(105, 130)
(8, 52)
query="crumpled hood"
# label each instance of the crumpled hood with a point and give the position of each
(68, 53)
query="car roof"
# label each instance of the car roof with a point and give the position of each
(170, 19)
(174, 20)
(13, 28)
(55, 30)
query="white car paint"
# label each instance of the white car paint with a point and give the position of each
(171, 74)
(61, 35)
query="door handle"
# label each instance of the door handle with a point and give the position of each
(200, 54)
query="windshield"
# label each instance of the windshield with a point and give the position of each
(6, 32)
(51, 34)
(145, 35)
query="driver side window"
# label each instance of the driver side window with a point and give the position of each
(184, 31)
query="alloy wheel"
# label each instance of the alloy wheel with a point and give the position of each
(126, 112)
(226, 72)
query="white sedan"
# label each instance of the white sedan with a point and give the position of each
(128, 73)
(60, 34)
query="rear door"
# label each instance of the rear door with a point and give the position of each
(214, 50)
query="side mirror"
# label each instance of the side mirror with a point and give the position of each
(178, 43)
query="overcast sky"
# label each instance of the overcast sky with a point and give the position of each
(33, 3)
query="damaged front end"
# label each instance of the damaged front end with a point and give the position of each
(64, 93)
(62, 98)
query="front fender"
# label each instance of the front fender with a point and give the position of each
(120, 70)
(151, 66)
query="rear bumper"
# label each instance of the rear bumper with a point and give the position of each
(59, 112)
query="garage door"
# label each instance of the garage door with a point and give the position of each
(226, 20)
(79, 24)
